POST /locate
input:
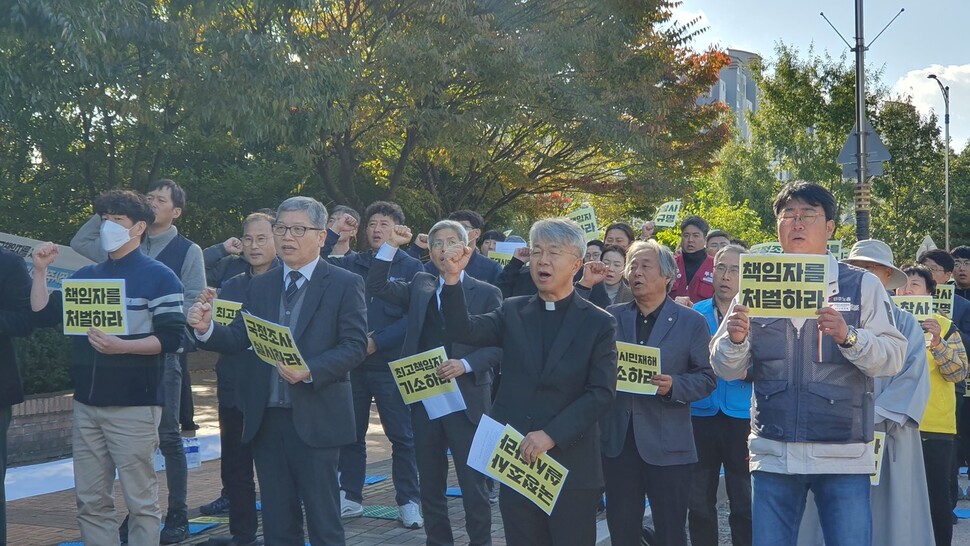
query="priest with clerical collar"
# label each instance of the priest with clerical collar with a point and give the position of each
(558, 379)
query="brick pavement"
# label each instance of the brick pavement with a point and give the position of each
(48, 520)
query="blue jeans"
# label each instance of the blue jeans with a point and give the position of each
(5, 414)
(378, 385)
(778, 502)
(170, 439)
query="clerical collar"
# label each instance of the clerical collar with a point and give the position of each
(556, 305)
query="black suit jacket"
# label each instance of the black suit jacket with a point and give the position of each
(662, 424)
(481, 297)
(15, 320)
(566, 395)
(331, 333)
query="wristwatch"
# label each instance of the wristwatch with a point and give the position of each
(850, 338)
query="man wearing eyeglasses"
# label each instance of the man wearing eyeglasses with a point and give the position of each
(721, 424)
(437, 428)
(812, 412)
(297, 420)
(238, 495)
(559, 378)
(372, 380)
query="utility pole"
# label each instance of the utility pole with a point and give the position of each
(860, 148)
(946, 157)
(862, 189)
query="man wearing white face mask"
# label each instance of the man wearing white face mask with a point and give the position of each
(164, 243)
(117, 397)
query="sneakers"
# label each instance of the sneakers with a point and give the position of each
(216, 507)
(176, 529)
(411, 516)
(349, 508)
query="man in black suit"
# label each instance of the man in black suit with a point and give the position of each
(559, 378)
(648, 443)
(298, 420)
(15, 320)
(470, 367)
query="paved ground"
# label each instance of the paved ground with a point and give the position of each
(49, 520)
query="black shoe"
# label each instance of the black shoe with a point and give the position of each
(229, 541)
(123, 531)
(176, 529)
(216, 507)
(190, 426)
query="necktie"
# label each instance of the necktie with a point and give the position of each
(291, 288)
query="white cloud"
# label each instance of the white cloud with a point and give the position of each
(927, 96)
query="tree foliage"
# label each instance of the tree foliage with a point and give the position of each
(439, 105)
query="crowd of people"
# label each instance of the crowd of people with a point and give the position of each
(788, 407)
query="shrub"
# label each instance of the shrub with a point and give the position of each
(45, 362)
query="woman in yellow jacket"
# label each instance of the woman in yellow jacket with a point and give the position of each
(948, 365)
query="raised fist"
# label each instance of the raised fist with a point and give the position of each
(401, 235)
(454, 261)
(199, 317)
(593, 274)
(422, 241)
(346, 223)
(523, 254)
(44, 255)
(233, 245)
(646, 231)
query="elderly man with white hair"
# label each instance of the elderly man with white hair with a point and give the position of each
(559, 378)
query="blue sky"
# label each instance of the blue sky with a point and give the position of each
(930, 37)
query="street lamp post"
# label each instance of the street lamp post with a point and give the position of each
(945, 89)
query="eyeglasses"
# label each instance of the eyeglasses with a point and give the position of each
(807, 218)
(298, 231)
(552, 253)
(935, 269)
(722, 269)
(258, 241)
(439, 244)
(961, 263)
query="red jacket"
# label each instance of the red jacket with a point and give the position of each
(701, 287)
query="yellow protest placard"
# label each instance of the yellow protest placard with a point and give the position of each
(94, 303)
(920, 306)
(502, 259)
(878, 445)
(636, 365)
(667, 214)
(225, 311)
(585, 216)
(783, 285)
(541, 482)
(273, 343)
(774, 247)
(416, 375)
(943, 300)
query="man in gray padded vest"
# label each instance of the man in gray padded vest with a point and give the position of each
(812, 413)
